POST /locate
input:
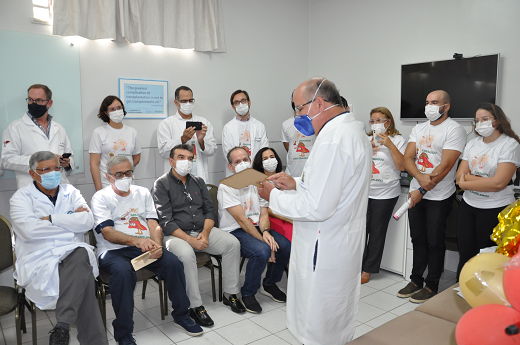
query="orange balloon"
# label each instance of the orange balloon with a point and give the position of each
(512, 283)
(481, 279)
(486, 324)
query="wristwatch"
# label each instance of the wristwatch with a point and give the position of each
(269, 230)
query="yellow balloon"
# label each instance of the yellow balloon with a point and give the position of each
(481, 279)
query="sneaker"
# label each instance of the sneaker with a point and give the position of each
(422, 296)
(251, 304)
(275, 293)
(200, 316)
(189, 326)
(408, 290)
(59, 336)
(234, 303)
(127, 340)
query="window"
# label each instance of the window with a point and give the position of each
(42, 12)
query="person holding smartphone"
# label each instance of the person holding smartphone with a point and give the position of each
(112, 139)
(186, 128)
(488, 165)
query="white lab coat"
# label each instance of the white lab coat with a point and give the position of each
(329, 208)
(22, 138)
(169, 134)
(40, 246)
(231, 138)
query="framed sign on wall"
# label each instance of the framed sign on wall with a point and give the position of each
(144, 99)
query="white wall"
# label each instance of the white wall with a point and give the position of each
(361, 45)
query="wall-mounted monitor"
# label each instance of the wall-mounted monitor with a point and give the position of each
(468, 81)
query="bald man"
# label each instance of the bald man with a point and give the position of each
(431, 156)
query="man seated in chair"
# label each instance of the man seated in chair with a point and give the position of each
(126, 227)
(244, 214)
(187, 216)
(54, 265)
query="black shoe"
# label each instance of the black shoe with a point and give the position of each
(59, 336)
(251, 304)
(274, 292)
(408, 290)
(422, 295)
(200, 316)
(127, 340)
(235, 304)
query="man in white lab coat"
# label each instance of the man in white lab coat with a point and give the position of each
(35, 131)
(174, 131)
(243, 130)
(54, 264)
(329, 212)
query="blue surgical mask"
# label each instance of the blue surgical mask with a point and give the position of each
(50, 180)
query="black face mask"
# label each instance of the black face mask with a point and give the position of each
(37, 110)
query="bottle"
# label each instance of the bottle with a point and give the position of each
(402, 210)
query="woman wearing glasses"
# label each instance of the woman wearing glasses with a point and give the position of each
(111, 139)
(387, 163)
(489, 162)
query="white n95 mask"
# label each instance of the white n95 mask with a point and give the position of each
(242, 109)
(123, 184)
(242, 166)
(378, 128)
(187, 108)
(183, 167)
(270, 164)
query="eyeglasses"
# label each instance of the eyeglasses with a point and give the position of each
(300, 107)
(37, 101)
(483, 119)
(243, 101)
(183, 101)
(121, 174)
(114, 109)
(46, 170)
(377, 121)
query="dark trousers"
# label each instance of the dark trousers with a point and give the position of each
(379, 213)
(474, 228)
(77, 304)
(123, 280)
(427, 227)
(258, 253)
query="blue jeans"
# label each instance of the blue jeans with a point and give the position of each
(258, 252)
(123, 280)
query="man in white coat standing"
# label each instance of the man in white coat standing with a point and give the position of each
(329, 212)
(174, 131)
(243, 130)
(54, 264)
(35, 131)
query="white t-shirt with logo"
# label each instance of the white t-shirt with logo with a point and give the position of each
(244, 134)
(128, 213)
(247, 197)
(299, 148)
(483, 160)
(110, 142)
(386, 178)
(430, 141)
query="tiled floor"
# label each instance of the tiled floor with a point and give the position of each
(378, 305)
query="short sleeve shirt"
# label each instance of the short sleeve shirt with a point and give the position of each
(385, 182)
(430, 141)
(299, 148)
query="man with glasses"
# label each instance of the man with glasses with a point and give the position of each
(175, 130)
(35, 131)
(53, 263)
(125, 227)
(243, 130)
(329, 208)
(430, 157)
(244, 214)
(187, 216)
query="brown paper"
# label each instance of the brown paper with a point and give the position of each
(244, 178)
(144, 259)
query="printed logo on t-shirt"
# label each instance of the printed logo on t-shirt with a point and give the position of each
(248, 204)
(299, 146)
(120, 145)
(426, 140)
(134, 220)
(478, 163)
(424, 162)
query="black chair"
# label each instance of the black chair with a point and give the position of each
(213, 191)
(9, 298)
(103, 283)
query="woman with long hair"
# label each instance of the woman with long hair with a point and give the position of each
(488, 165)
(387, 163)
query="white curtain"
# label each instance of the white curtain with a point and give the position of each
(185, 24)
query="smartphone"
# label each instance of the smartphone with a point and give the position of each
(66, 155)
(196, 124)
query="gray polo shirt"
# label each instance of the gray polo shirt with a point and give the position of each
(182, 206)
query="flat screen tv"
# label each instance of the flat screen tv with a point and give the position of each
(468, 81)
